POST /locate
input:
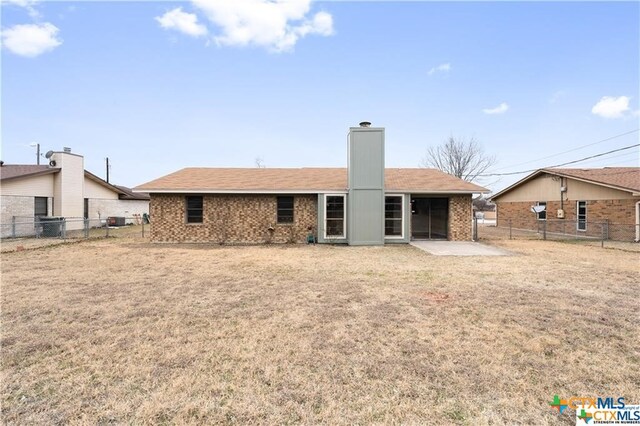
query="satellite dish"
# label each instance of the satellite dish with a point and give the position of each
(538, 209)
(52, 163)
(48, 154)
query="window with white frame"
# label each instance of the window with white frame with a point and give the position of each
(542, 215)
(393, 216)
(581, 216)
(334, 216)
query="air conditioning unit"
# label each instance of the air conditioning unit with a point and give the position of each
(560, 214)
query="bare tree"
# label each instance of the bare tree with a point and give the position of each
(482, 204)
(260, 163)
(459, 157)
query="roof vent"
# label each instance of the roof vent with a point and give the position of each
(365, 124)
(66, 149)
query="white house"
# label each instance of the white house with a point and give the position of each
(63, 188)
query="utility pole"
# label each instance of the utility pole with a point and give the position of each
(37, 146)
(107, 160)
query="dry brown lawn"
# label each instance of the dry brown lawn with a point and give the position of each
(121, 331)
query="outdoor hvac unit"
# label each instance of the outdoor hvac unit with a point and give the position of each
(560, 214)
(115, 221)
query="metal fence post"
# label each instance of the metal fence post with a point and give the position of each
(13, 226)
(63, 226)
(106, 225)
(602, 240)
(86, 228)
(544, 229)
(509, 228)
(142, 221)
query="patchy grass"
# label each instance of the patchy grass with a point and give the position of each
(120, 331)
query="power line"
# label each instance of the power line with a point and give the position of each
(626, 154)
(571, 150)
(563, 164)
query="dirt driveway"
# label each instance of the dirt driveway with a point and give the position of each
(120, 331)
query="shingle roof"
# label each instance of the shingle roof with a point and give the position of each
(17, 171)
(622, 177)
(14, 171)
(130, 195)
(305, 179)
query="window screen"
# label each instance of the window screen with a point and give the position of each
(194, 209)
(285, 209)
(393, 216)
(334, 221)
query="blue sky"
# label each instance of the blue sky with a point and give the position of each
(158, 86)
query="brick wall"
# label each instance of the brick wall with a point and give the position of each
(231, 219)
(460, 218)
(615, 211)
(619, 214)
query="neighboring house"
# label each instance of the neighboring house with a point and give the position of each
(364, 204)
(63, 189)
(578, 197)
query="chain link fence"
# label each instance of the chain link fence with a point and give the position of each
(38, 231)
(602, 233)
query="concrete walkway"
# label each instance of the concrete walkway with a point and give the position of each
(458, 248)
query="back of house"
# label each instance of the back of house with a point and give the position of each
(362, 204)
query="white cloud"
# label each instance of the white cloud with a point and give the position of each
(611, 107)
(181, 21)
(440, 68)
(31, 39)
(275, 25)
(27, 4)
(500, 109)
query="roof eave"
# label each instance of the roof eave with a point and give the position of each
(28, 175)
(103, 183)
(512, 186)
(595, 182)
(300, 191)
(440, 191)
(236, 191)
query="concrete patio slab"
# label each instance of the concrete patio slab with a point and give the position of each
(459, 248)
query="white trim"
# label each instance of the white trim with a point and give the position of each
(427, 192)
(239, 191)
(344, 217)
(290, 191)
(545, 210)
(578, 216)
(395, 237)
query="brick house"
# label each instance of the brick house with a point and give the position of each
(573, 199)
(63, 188)
(363, 204)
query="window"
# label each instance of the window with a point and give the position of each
(334, 216)
(393, 216)
(543, 214)
(40, 206)
(194, 209)
(285, 209)
(581, 216)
